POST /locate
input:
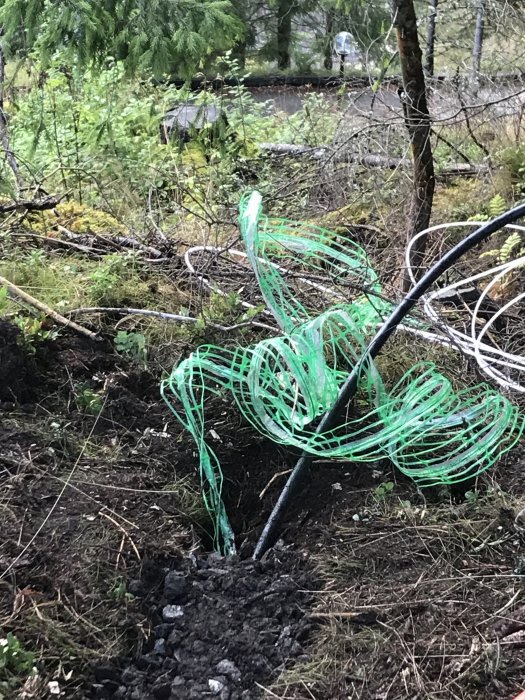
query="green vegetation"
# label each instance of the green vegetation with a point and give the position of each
(16, 664)
(153, 36)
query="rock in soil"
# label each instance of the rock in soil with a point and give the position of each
(238, 623)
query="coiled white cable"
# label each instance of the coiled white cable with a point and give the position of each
(491, 360)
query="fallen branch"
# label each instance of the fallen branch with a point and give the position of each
(129, 242)
(164, 316)
(369, 160)
(28, 299)
(58, 242)
(289, 149)
(117, 241)
(30, 205)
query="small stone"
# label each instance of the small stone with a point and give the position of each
(198, 647)
(170, 665)
(178, 685)
(162, 630)
(106, 671)
(129, 675)
(171, 612)
(160, 647)
(148, 661)
(174, 586)
(246, 550)
(175, 638)
(136, 588)
(215, 559)
(296, 649)
(216, 686)
(161, 689)
(229, 669)
(110, 686)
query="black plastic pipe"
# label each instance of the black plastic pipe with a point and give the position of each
(349, 388)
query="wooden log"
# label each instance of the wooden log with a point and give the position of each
(369, 160)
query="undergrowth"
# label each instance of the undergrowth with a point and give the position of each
(95, 139)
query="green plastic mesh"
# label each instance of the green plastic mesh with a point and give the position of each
(284, 384)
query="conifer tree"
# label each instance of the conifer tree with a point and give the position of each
(161, 36)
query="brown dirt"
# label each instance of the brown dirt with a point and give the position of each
(96, 509)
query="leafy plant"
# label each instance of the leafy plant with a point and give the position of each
(496, 207)
(511, 248)
(120, 594)
(4, 296)
(113, 270)
(15, 662)
(224, 309)
(514, 159)
(472, 497)
(131, 344)
(384, 491)
(88, 400)
(33, 331)
(35, 258)
(94, 133)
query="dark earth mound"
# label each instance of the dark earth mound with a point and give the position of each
(14, 364)
(222, 628)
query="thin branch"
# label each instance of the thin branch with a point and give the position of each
(58, 242)
(165, 316)
(30, 205)
(28, 299)
(117, 242)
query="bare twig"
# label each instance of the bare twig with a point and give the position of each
(58, 242)
(30, 205)
(274, 477)
(151, 218)
(28, 299)
(165, 316)
(116, 241)
(125, 533)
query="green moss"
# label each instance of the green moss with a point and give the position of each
(461, 199)
(78, 218)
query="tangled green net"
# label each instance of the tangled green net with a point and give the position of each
(284, 384)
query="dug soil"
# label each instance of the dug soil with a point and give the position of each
(373, 591)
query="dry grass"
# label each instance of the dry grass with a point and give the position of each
(412, 596)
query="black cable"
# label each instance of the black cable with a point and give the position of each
(349, 388)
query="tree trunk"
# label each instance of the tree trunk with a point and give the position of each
(328, 61)
(284, 33)
(478, 39)
(431, 38)
(417, 121)
(4, 136)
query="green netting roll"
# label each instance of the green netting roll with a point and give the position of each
(284, 384)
